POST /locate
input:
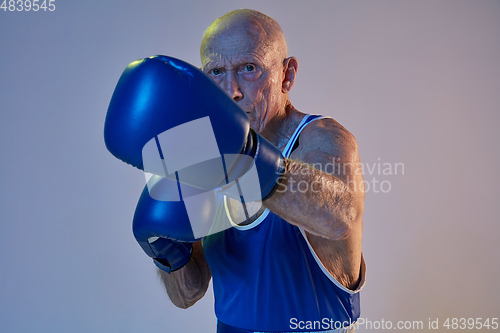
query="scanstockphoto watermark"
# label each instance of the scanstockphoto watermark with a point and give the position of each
(361, 323)
(370, 325)
(366, 177)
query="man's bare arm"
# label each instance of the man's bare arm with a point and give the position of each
(188, 284)
(322, 191)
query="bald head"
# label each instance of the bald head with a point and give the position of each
(251, 27)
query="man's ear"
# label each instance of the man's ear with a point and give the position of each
(290, 68)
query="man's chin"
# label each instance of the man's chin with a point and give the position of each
(255, 125)
(252, 122)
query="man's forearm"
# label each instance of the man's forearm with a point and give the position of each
(188, 284)
(317, 201)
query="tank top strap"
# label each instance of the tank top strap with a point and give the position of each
(308, 118)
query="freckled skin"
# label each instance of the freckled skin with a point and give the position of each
(245, 53)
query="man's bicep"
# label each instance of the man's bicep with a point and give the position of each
(330, 148)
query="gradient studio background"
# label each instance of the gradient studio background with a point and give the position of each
(417, 82)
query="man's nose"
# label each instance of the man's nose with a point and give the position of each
(232, 87)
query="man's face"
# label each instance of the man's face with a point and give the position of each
(249, 70)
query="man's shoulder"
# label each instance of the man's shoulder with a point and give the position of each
(327, 135)
(325, 127)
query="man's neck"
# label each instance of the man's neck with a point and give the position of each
(281, 128)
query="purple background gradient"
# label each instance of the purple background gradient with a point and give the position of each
(417, 82)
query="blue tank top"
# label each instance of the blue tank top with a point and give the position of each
(266, 274)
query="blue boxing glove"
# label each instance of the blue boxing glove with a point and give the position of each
(168, 118)
(169, 217)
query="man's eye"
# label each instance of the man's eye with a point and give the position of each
(215, 71)
(249, 68)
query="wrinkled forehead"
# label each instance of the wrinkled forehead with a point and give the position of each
(237, 37)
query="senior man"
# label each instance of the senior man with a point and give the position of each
(295, 264)
(288, 258)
